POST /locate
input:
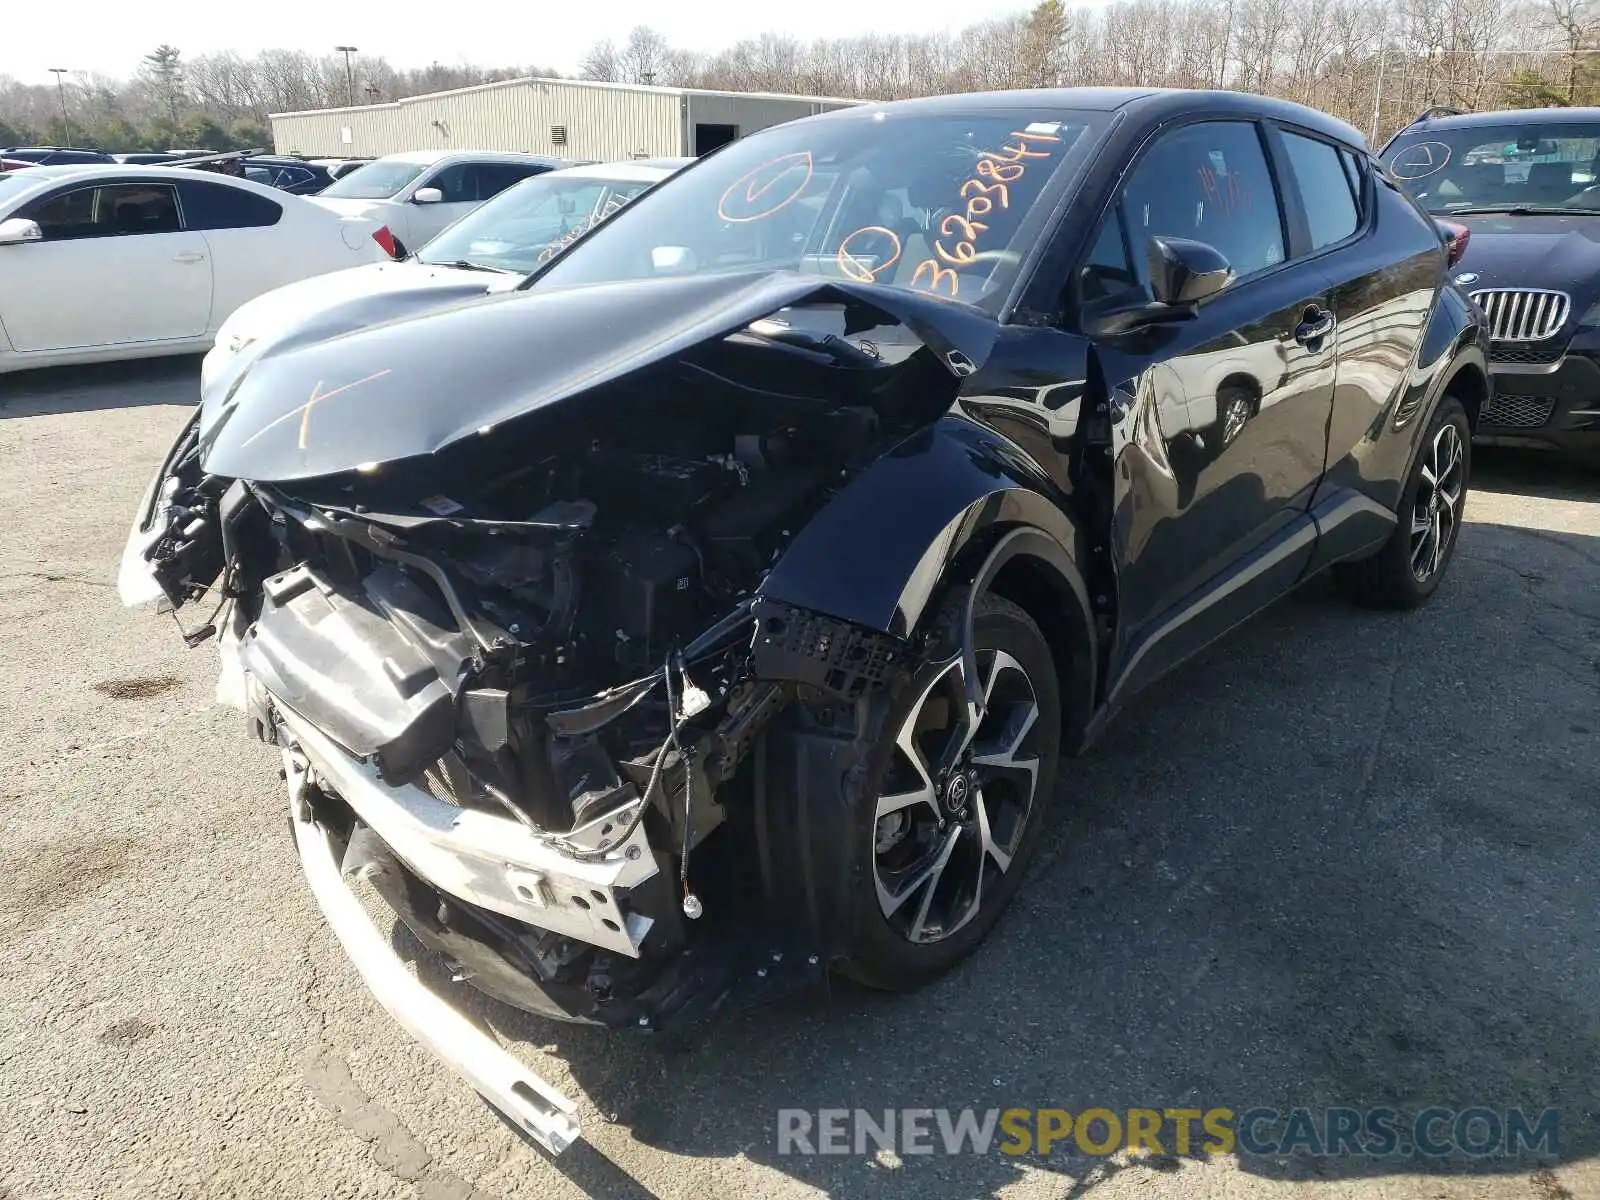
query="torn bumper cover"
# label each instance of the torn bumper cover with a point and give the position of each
(547, 1116)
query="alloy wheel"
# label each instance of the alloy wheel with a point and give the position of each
(957, 794)
(1436, 515)
(1234, 418)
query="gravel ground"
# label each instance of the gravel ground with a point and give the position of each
(1342, 859)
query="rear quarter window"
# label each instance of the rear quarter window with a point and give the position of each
(1325, 192)
(218, 206)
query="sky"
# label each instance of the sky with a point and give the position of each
(111, 38)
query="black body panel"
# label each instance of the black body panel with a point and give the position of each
(379, 673)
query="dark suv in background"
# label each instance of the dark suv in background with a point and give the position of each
(1524, 187)
(56, 156)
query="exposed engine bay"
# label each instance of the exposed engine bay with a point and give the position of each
(599, 570)
(555, 638)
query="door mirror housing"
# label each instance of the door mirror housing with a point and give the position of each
(16, 230)
(427, 195)
(673, 260)
(1182, 274)
(1185, 272)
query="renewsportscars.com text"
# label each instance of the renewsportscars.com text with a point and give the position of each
(1374, 1132)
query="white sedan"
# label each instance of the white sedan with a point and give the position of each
(492, 249)
(112, 262)
(419, 192)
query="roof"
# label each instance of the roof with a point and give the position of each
(428, 158)
(627, 171)
(39, 178)
(669, 161)
(1147, 103)
(531, 80)
(1510, 116)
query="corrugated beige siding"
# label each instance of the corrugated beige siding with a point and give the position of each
(749, 113)
(601, 123)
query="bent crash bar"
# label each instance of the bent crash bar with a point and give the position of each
(549, 1117)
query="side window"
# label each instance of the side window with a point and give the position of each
(131, 208)
(218, 206)
(1356, 171)
(1209, 182)
(457, 182)
(64, 216)
(1324, 184)
(494, 178)
(109, 211)
(1107, 271)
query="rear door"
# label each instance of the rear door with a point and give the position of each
(1384, 280)
(1221, 422)
(115, 267)
(249, 251)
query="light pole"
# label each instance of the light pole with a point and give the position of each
(61, 90)
(349, 75)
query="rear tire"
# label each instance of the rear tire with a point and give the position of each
(1408, 568)
(910, 918)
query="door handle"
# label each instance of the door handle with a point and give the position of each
(1315, 324)
(189, 257)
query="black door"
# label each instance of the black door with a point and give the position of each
(1220, 422)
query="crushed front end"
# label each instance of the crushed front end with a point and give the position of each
(529, 688)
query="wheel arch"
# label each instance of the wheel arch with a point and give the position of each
(1469, 383)
(1020, 569)
(954, 511)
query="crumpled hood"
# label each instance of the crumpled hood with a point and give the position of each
(1558, 253)
(364, 295)
(322, 401)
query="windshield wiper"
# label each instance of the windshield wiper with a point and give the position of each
(466, 264)
(1513, 210)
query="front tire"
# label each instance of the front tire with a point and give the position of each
(956, 797)
(1409, 567)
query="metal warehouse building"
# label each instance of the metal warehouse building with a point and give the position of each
(566, 117)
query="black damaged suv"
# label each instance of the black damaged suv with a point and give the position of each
(1522, 189)
(715, 609)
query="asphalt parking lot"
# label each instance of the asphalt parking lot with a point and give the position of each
(1341, 860)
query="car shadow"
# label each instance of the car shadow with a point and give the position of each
(1531, 472)
(1342, 859)
(48, 391)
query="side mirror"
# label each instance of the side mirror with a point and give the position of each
(1454, 238)
(16, 230)
(673, 260)
(1185, 272)
(1182, 273)
(428, 195)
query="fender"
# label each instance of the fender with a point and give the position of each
(1455, 338)
(955, 505)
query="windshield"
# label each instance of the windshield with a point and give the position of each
(374, 181)
(1500, 168)
(933, 202)
(527, 225)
